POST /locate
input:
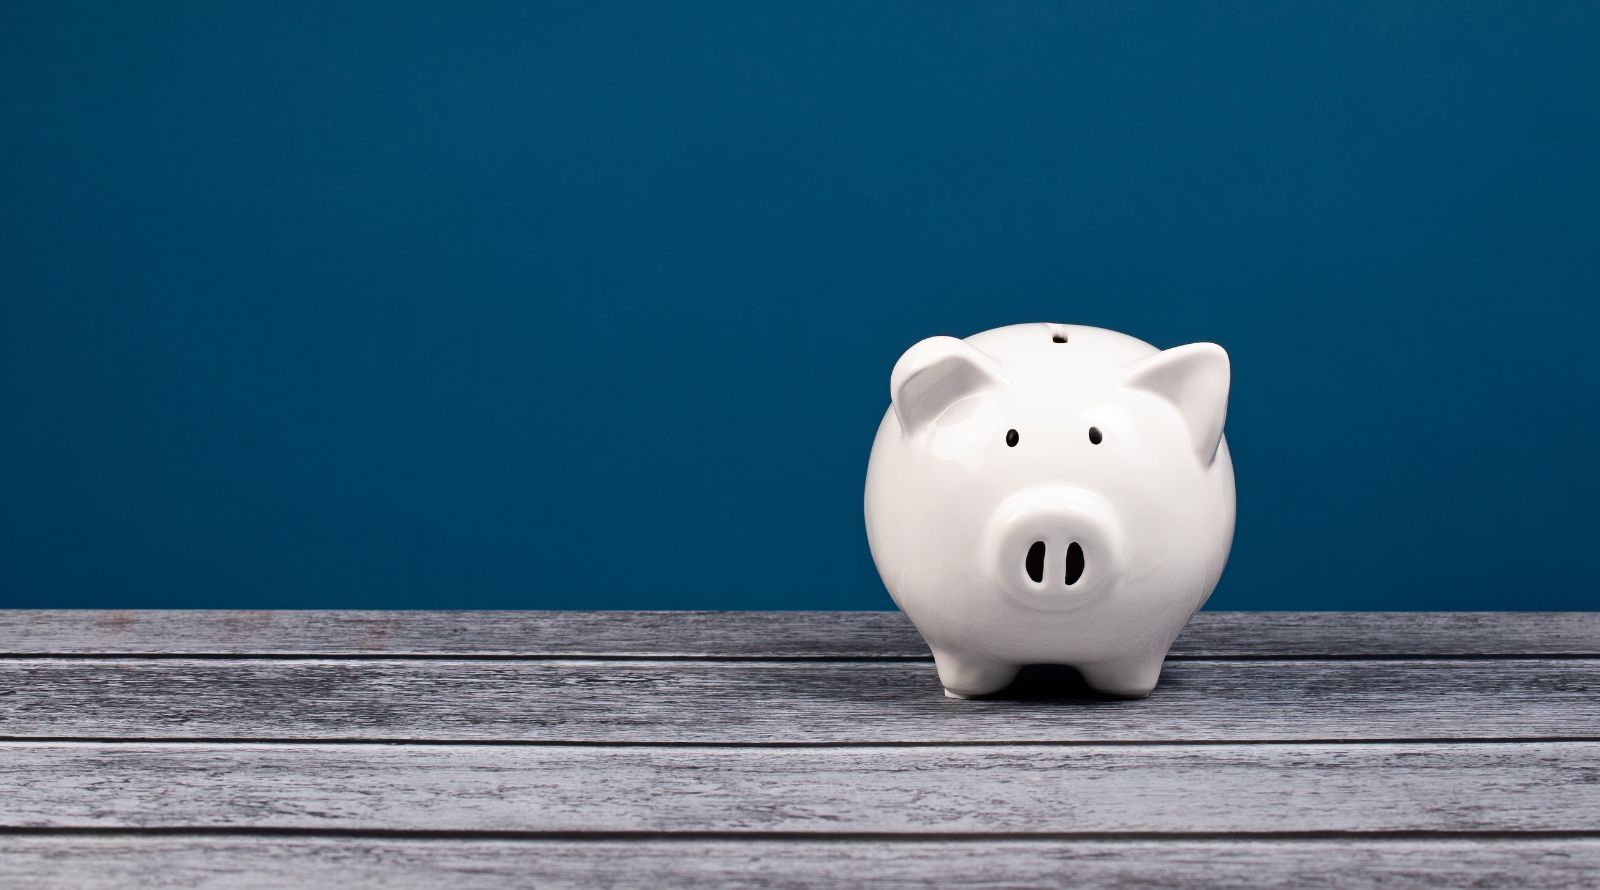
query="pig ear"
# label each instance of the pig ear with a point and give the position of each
(935, 373)
(1194, 378)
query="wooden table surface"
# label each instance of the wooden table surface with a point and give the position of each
(651, 749)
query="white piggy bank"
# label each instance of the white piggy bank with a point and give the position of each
(1051, 494)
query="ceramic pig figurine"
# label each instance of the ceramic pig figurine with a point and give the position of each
(1051, 494)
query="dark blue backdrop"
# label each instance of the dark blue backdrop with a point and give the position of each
(593, 304)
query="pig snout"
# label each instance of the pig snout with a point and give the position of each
(1053, 545)
(1040, 551)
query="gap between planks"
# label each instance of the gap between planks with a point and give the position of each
(801, 837)
(381, 742)
(732, 659)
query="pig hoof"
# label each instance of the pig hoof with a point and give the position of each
(1127, 679)
(965, 677)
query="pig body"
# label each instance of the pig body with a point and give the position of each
(1051, 494)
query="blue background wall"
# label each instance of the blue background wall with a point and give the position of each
(593, 304)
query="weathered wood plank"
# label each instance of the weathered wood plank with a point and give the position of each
(786, 701)
(886, 790)
(750, 634)
(116, 862)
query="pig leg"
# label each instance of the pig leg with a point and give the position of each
(964, 676)
(1128, 677)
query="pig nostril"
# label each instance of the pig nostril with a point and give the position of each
(1074, 563)
(1035, 562)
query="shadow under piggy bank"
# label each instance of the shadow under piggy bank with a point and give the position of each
(913, 685)
(1056, 683)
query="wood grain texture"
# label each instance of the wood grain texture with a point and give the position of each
(871, 790)
(751, 634)
(238, 863)
(795, 702)
(786, 750)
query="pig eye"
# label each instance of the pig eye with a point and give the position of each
(1094, 435)
(1012, 438)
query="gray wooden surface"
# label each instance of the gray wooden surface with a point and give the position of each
(677, 701)
(402, 863)
(316, 749)
(785, 635)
